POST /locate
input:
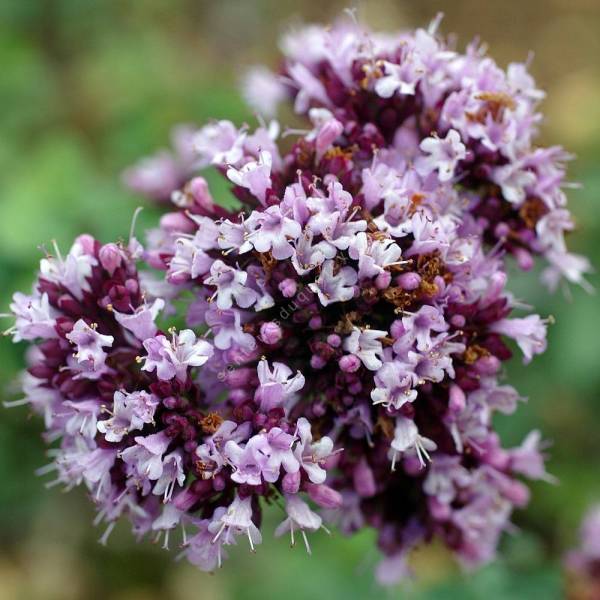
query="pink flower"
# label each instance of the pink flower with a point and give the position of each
(255, 176)
(89, 345)
(443, 154)
(334, 288)
(173, 358)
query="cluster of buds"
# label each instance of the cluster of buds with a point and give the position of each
(346, 324)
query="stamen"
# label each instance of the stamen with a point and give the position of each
(104, 539)
(14, 403)
(250, 540)
(136, 213)
(306, 541)
(57, 251)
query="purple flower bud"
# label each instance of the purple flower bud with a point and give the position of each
(349, 363)
(288, 288)
(318, 409)
(409, 281)
(458, 321)
(330, 131)
(110, 257)
(383, 280)
(186, 498)
(198, 188)
(397, 329)
(501, 231)
(355, 388)
(219, 483)
(323, 495)
(439, 510)
(315, 322)
(270, 332)
(317, 362)
(488, 365)
(364, 480)
(517, 492)
(190, 446)
(457, 399)
(177, 222)
(87, 243)
(524, 259)
(334, 340)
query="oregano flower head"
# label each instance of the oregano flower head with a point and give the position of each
(343, 330)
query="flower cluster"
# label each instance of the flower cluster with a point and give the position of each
(353, 312)
(583, 564)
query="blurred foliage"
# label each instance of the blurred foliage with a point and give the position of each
(86, 88)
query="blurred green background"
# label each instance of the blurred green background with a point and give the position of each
(85, 89)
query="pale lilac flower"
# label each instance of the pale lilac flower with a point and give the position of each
(308, 255)
(155, 176)
(299, 517)
(276, 386)
(273, 231)
(235, 520)
(374, 256)
(226, 326)
(513, 179)
(407, 439)
(365, 344)
(168, 520)
(311, 454)
(332, 288)
(421, 324)
(172, 358)
(328, 132)
(219, 143)
(130, 412)
(141, 321)
(159, 175)
(89, 345)
(34, 317)
(263, 90)
(443, 154)
(146, 457)
(394, 384)
(445, 478)
(399, 78)
(201, 551)
(94, 466)
(172, 475)
(529, 333)
(73, 271)
(255, 175)
(191, 258)
(231, 285)
(262, 457)
(309, 87)
(528, 458)
(521, 82)
(211, 453)
(80, 417)
(569, 266)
